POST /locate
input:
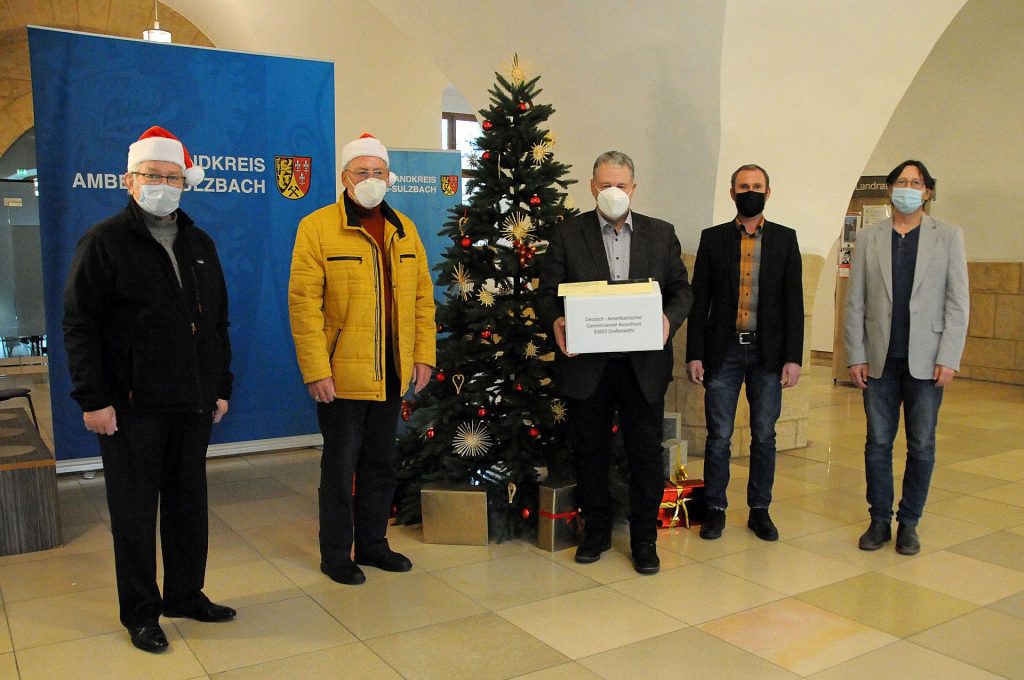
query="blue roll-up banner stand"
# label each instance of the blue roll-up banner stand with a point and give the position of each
(429, 183)
(240, 116)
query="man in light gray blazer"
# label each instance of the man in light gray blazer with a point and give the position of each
(905, 325)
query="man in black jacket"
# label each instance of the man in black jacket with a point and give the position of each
(615, 244)
(747, 326)
(146, 330)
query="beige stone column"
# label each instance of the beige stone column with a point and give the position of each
(688, 399)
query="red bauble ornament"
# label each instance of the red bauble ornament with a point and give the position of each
(519, 387)
(466, 242)
(615, 428)
(535, 200)
(523, 106)
(486, 334)
(486, 155)
(481, 412)
(487, 125)
(534, 432)
(526, 513)
(431, 433)
(440, 376)
(440, 328)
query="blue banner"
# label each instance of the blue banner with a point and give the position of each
(240, 116)
(429, 183)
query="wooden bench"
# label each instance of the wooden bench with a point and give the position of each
(29, 514)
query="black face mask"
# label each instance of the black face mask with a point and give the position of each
(750, 203)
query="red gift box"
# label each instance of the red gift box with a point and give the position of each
(682, 503)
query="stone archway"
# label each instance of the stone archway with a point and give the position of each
(126, 18)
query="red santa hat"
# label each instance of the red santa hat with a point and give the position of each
(365, 145)
(157, 144)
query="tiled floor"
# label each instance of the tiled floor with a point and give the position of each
(811, 605)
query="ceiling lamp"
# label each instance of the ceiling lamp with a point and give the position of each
(156, 34)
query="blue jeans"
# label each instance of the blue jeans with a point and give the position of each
(742, 364)
(921, 400)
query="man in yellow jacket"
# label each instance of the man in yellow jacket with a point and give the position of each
(361, 304)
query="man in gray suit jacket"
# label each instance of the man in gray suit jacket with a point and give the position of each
(613, 243)
(905, 325)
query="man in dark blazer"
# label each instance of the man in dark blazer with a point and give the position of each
(615, 244)
(747, 326)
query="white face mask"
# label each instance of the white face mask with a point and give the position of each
(370, 192)
(159, 199)
(613, 202)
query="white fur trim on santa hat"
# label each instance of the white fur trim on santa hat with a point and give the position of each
(156, 147)
(366, 145)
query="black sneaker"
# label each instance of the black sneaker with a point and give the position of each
(714, 523)
(592, 546)
(761, 523)
(907, 542)
(878, 534)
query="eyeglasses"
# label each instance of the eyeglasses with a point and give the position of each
(363, 174)
(915, 183)
(154, 178)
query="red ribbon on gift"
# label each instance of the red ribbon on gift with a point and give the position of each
(567, 516)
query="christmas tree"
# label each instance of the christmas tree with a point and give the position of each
(490, 416)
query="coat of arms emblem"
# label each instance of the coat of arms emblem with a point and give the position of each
(293, 174)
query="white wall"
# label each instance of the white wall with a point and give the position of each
(962, 115)
(689, 89)
(807, 88)
(384, 84)
(640, 77)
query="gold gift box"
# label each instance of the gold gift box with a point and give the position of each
(674, 458)
(557, 520)
(454, 514)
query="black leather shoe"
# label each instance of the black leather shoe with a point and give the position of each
(762, 525)
(207, 612)
(645, 558)
(907, 542)
(345, 572)
(714, 523)
(878, 534)
(591, 547)
(149, 638)
(389, 560)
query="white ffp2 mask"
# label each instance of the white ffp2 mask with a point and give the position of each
(370, 192)
(613, 202)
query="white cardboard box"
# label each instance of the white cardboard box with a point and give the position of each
(612, 317)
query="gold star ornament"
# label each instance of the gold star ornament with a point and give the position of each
(517, 227)
(462, 281)
(471, 440)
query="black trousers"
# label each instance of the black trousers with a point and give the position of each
(359, 439)
(590, 430)
(157, 460)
